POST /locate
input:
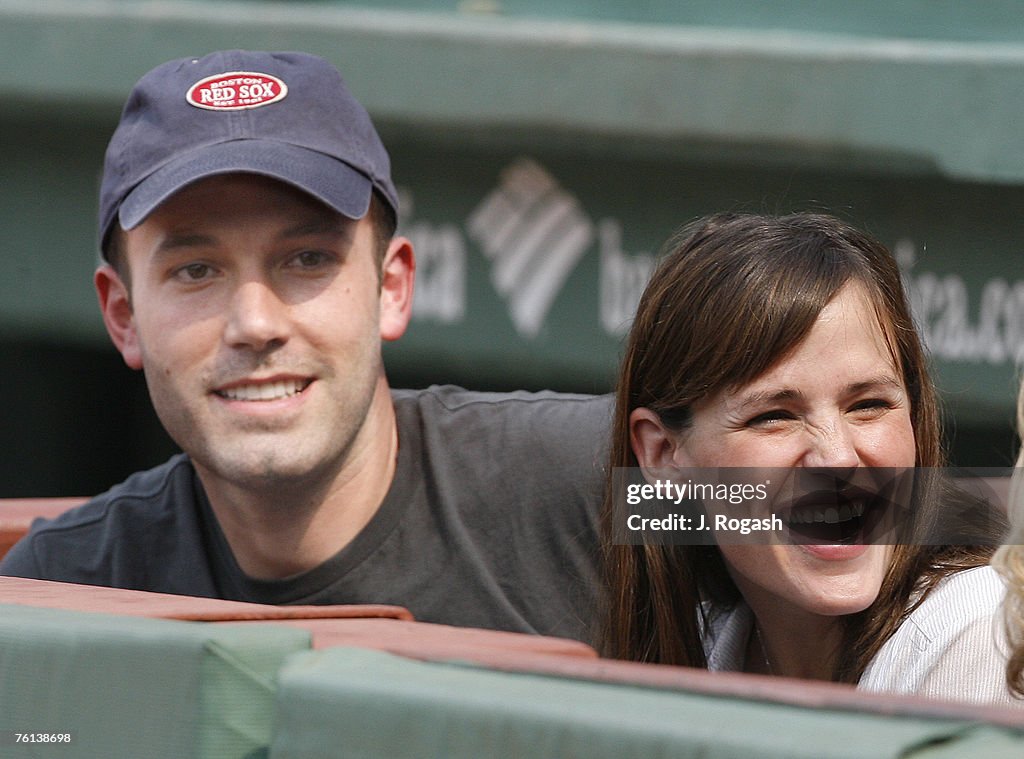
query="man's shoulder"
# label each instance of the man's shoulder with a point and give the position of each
(138, 498)
(483, 438)
(563, 414)
(455, 397)
(106, 540)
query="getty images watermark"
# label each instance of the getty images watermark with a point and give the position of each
(676, 493)
(774, 506)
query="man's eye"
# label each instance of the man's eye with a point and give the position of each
(310, 259)
(193, 272)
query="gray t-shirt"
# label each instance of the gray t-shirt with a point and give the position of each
(490, 521)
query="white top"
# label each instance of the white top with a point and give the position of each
(953, 646)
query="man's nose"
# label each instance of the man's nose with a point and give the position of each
(257, 319)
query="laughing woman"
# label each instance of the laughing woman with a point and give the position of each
(787, 342)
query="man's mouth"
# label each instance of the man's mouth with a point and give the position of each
(264, 391)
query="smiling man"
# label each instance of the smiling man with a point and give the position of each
(247, 222)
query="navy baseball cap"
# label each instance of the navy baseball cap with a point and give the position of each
(288, 116)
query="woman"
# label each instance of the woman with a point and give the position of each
(1009, 561)
(787, 342)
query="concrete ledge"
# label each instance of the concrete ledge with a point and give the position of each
(922, 106)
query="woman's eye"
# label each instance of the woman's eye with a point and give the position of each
(769, 418)
(870, 407)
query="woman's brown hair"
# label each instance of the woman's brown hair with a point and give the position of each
(732, 295)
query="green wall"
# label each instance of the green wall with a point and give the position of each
(609, 124)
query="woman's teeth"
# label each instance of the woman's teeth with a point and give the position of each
(831, 515)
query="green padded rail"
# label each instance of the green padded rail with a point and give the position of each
(362, 704)
(128, 687)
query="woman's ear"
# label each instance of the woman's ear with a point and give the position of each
(658, 449)
(116, 306)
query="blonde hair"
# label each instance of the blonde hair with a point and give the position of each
(1009, 561)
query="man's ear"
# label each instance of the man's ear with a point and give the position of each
(658, 450)
(398, 275)
(116, 306)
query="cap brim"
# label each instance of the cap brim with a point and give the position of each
(327, 179)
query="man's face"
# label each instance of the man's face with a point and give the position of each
(257, 315)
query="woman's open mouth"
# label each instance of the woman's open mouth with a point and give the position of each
(840, 521)
(862, 508)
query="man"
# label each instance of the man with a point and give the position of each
(247, 219)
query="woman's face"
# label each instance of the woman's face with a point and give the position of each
(837, 403)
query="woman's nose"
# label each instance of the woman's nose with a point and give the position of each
(831, 446)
